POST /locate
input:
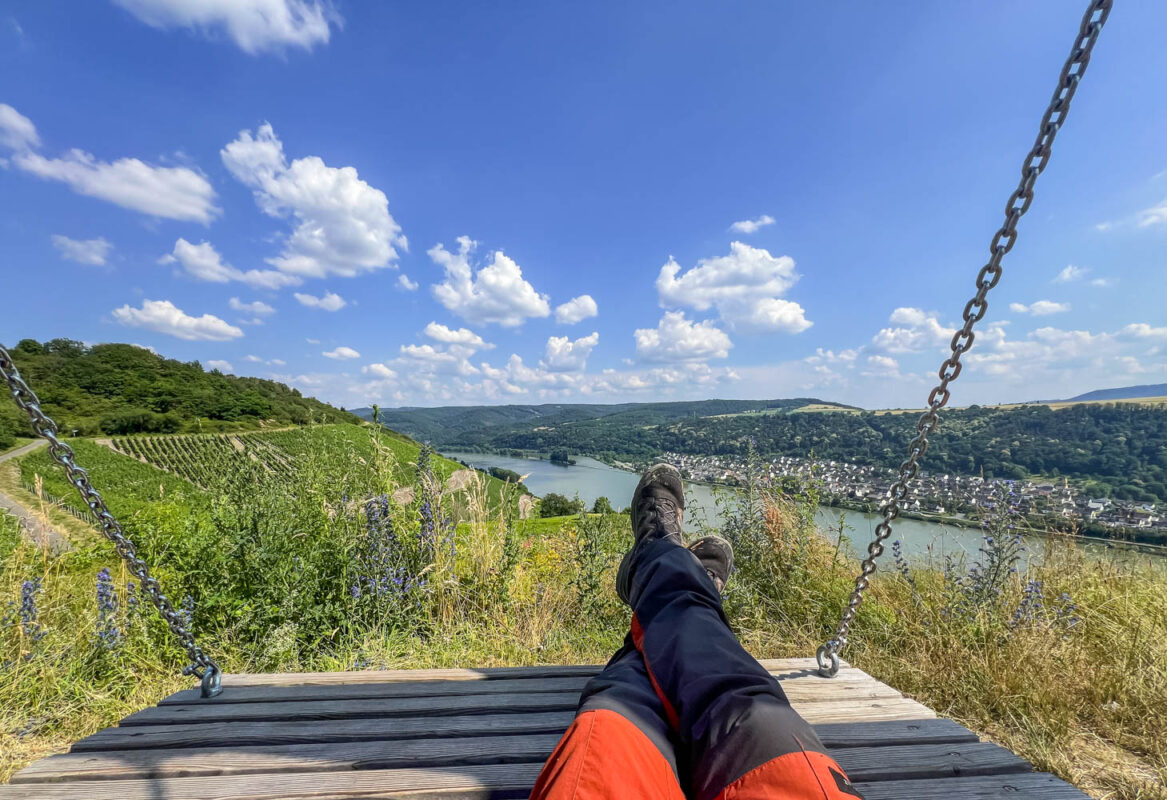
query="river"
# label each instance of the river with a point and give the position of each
(922, 541)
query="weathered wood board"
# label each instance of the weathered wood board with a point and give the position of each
(457, 734)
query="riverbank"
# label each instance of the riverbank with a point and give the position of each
(923, 537)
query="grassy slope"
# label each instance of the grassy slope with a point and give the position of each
(128, 485)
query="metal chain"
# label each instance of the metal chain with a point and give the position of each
(962, 341)
(201, 666)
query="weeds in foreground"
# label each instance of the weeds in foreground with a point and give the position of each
(373, 564)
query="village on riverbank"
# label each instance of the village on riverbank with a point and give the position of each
(948, 497)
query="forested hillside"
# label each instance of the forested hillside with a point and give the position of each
(472, 426)
(121, 388)
(1120, 448)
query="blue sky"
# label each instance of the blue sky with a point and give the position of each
(419, 203)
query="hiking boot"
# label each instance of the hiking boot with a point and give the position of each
(658, 505)
(716, 557)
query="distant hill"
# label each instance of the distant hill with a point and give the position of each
(1123, 393)
(117, 389)
(534, 425)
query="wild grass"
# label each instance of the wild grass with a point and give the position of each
(366, 561)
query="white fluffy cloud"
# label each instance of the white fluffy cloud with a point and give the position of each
(329, 302)
(341, 353)
(381, 371)
(405, 283)
(162, 316)
(258, 308)
(203, 262)
(169, 192)
(915, 330)
(1155, 215)
(676, 338)
(496, 293)
(16, 130)
(577, 309)
(564, 355)
(752, 225)
(1040, 308)
(462, 336)
(222, 366)
(84, 251)
(1071, 273)
(343, 225)
(177, 193)
(746, 286)
(256, 26)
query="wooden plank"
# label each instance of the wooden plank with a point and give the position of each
(794, 666)
(839, 709)
(490, 782)
(290, 758)
(356, 709)
(242, 734)
(1031, 786)
(861, 763)
(849, 682)
(228, 734)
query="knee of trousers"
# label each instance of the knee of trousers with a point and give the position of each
(603, 756)
(742, 733)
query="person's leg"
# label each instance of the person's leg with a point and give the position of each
(619, 746)
(739, 737)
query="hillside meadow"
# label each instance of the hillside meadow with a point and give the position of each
(363, 551)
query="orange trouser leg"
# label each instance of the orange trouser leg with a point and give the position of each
(795, 776)
(603, 756)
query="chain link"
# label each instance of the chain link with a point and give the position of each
(974, 311)
(201, 666)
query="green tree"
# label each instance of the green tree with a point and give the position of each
(557, 505)
(603, 506)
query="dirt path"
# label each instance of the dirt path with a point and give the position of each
(35, 527)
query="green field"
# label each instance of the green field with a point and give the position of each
(186, 469)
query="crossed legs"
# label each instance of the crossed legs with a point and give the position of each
(683, 711)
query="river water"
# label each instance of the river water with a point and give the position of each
(922, 541)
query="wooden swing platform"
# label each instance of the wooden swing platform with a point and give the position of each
(457, 734)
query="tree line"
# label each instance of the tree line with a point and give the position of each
(119, 389)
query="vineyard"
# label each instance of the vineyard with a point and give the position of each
(132, 472)
(204, 458)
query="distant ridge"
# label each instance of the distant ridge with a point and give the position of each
(1122, 393)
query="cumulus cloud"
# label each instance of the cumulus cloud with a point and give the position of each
(405, 283)
(343, 225)
(379, 370)
(16, 130)
(577, 309)
(255, 26)
(676, 338)
(202, 262)
(341, 353)
(752, 225)
(495, 293)
(258, 308)
(222, 366)
(1155, 215)
(1071, 273)
(915, 330)
(564, 355)
(746, 287)
(329, 302)
(177, 193)
(162, 316)
(92, 252)
(462, 336)
(881, 367)
(169, 192)
(1041, 308)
